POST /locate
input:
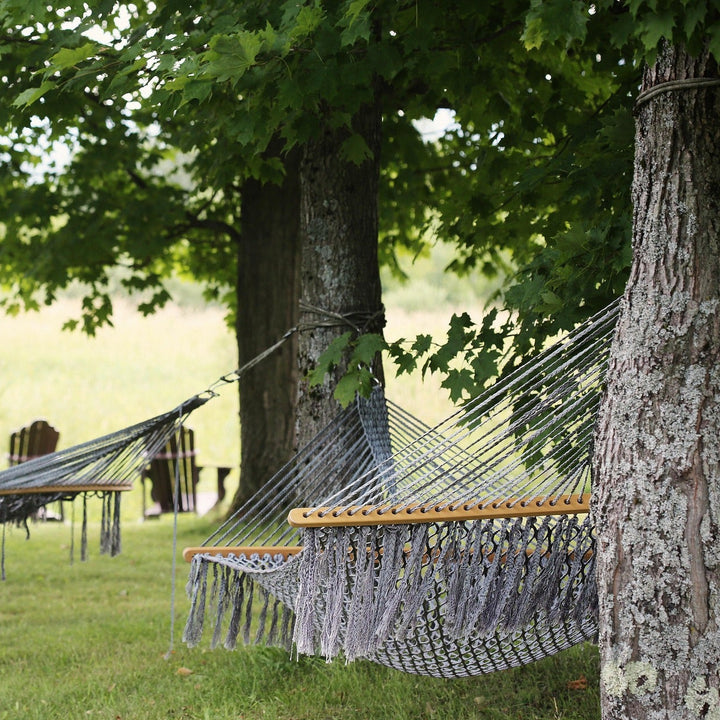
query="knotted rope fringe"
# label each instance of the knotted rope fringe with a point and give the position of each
(232, 593)
(491, 578)
(109, 525)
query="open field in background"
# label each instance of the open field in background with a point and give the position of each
(88, 386)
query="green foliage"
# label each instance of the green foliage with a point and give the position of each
(229, 57)
(29, 96)
(636, 26)
(468, 358)
(173, 105)
(553, 21)
(359, 352)
(71, 57)
(535, 186)
(330, 359)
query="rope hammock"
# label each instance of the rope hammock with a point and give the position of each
(103, 467)
(451, 551)
(447, 551)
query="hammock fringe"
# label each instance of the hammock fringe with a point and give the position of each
(234, 596)
(393, 572)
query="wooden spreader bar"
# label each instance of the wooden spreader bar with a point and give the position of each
(273, 550)
(391, 515)
(285, 550)
(401, 515)
(52, 489)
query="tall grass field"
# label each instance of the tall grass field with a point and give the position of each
(98, 639)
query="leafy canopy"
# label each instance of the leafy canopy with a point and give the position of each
(165, 109)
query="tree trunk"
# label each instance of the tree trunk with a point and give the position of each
(339, 265)
(657, 461)
(267, 292)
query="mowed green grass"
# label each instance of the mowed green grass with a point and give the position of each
(90, 640)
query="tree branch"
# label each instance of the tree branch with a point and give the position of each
(217, 226)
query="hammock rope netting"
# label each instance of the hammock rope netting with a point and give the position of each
(448, 551)
(104, 467)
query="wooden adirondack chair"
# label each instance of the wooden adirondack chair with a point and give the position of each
(161, 474)
(38, 438)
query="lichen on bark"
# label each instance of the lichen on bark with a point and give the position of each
(657, 475)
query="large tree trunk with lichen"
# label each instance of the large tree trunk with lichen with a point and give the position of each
(267, 292)
(339, 261)
(657, 461)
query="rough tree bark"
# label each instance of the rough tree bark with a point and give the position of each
(339, 261)
(657, 461)
(267, 292)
